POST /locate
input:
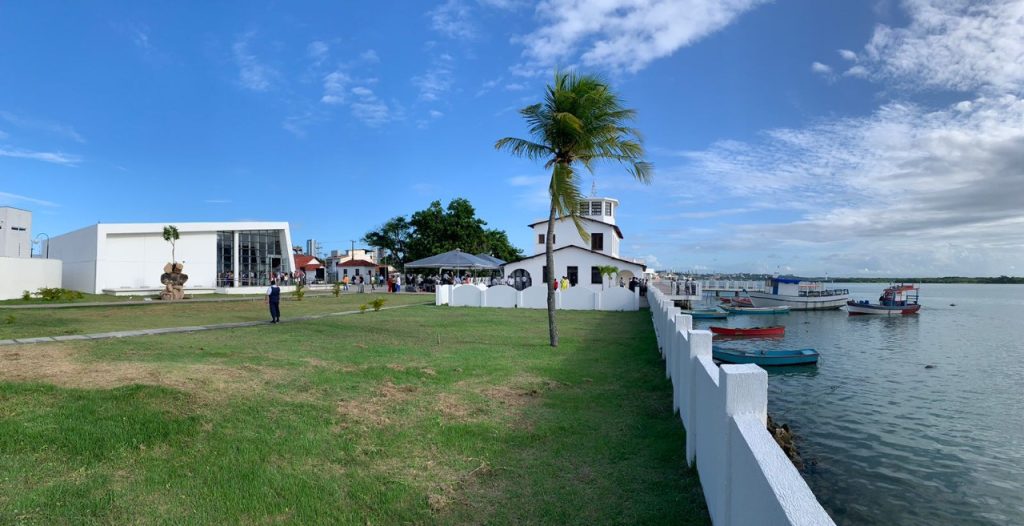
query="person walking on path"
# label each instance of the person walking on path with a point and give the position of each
(273, 299)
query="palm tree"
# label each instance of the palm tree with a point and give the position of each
(171, 236)
(607, 271)
(580, 122)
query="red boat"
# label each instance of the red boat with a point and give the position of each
(777, 330)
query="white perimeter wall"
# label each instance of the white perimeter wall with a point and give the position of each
(21, 274)
(746, 477)
(137, 259)
(77, 252)
(503, 296)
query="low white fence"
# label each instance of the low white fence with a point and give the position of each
(536, 297)
(746, 477)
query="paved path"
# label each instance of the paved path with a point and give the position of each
(129, 303)
(193, 328)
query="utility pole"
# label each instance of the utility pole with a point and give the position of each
(352, 250)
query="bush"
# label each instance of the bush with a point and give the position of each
(336, 289)
(378, 303)
(26, 295)
(58, 294)
(362, 308)
(300, 290)
(9, 319)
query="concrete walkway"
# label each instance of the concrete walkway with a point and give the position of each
(173, 330)
(129, 303)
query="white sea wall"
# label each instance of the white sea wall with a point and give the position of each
(746, 477)
(536, 297)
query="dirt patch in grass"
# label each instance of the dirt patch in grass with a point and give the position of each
(373, 410)
(519, 391)
(62, 365)
(452, 407)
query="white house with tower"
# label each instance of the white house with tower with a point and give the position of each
(575, 258)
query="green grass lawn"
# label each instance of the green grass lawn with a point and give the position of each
(418, 415)
(27, 323)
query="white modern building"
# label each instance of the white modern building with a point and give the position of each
(19, 271)
(128, 258)
(575, 258)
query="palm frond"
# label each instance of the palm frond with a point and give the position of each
(523, 148)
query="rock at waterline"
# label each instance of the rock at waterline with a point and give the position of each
(930, 366)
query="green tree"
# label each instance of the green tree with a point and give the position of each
(581, 122)
(392, 236)
(607, 271)
(171, 236)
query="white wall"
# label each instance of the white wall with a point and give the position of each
(21, 274)
(581, 258)
(746, 477)
(566, 234)
(502, 296)
(137, 259)
(77, 252)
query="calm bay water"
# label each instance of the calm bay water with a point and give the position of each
(886, 440)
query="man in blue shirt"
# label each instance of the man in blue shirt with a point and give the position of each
(274, 300)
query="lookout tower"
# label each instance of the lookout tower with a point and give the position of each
(599, 209)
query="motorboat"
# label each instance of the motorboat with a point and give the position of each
(896, 300)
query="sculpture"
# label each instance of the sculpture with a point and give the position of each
(174, 282)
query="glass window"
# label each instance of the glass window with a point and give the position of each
(584, 208)
(595, 208)
(608, 208)
(596, 241)
(595, 275)
(540, 239)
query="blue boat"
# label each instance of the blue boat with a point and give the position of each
(706, 314)
(780, 357)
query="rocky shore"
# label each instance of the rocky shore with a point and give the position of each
(785, 439)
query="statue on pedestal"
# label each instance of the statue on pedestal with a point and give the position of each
(174, 282)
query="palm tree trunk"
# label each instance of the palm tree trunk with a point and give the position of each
(550, 261)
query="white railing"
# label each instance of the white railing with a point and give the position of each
(535, 297)
(746, 477)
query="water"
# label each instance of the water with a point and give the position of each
(886, 440)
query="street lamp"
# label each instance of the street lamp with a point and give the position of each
(47, 242)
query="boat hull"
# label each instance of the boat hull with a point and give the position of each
(766, 358)
(756, 310)
(749, 331)
(706, 315)
(764, 299)
(859, 309)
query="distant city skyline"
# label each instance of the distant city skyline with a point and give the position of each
(858, 139)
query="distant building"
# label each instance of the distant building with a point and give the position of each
(357, 267)
(313, 248)
(19, 271)
(128, 258)
(310, 266)
(337, 257)
(574, 258)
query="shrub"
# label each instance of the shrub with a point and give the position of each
(362, 308)
(26, 295)
(9, 319)
(378, 303)
(58, 294)
(300, 290)
(336, 289)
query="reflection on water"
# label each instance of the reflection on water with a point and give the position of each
(907, 420)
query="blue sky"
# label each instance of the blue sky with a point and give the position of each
(848, 137)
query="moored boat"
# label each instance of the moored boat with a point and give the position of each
(777, 330)
(799, 294)
(896, 300)
(779, 357)
(755, 310)
(706, 314)
(738, 301)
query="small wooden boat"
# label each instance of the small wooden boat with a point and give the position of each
(755, 310)
(897, 300)
(777, 330)
(780, 357)
(706, 314)
(738, 301)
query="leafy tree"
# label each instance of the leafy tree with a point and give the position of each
(607, 271)
(171, 235)
(392, 236)
(581, 121)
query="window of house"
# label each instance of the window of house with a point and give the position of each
(595, 275)
(595, 208)
(344, 272)
(540, 239)
(544, 274)
(596, 241)
(584, 208)
(357, 272)
(608, 208)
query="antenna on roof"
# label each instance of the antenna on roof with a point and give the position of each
(593, 188)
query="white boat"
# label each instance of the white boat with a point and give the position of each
(798, 294)
(897, 300)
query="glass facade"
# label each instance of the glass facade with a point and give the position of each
(259, 257)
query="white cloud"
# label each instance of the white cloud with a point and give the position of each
(362, 91)
(55, 128)
(952, 44)
(621, 34)
(515, 86)
(434, 114)
(15, 198)
(823, 69)
(370, 56)
(48, 157)
(252, 73)
(437, 80)
(857, 71)
(847, 54)
(317, 51)
(335, 84)
(453, 19)
(372, 112)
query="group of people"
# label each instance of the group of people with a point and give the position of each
(249, 279)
